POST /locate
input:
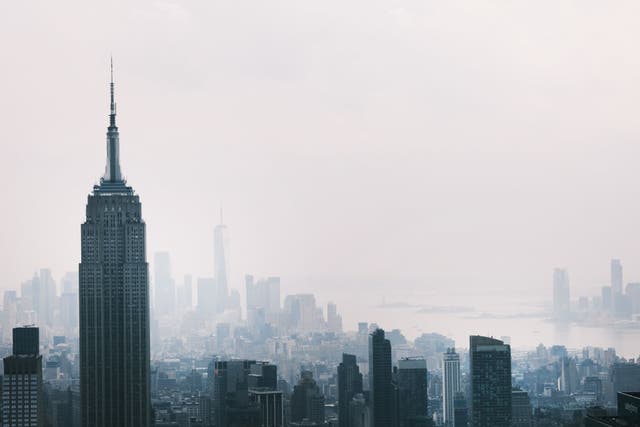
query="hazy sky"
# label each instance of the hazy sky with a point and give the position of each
(399, 144)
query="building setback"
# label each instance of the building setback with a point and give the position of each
(22, 381)
(349, 385)
(114, 300)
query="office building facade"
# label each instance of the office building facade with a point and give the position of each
(22, 393)
(380, 377)
(490, 374)
(114, 301)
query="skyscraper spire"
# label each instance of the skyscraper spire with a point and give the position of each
(112, 171)
(113, 101)
(114, 300)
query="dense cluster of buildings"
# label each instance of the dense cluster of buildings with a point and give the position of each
(369, 378)
(108, 351)
(616, 305)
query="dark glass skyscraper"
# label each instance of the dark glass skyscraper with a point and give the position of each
(114, 301)
(411, 381)
(490, 366)
(349, 384)
(380, 387)
(307, 401)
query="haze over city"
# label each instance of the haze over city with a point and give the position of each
(321, 214)
(411, 144)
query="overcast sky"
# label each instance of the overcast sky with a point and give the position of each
(401, 144)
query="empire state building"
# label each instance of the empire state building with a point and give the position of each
(114, 300)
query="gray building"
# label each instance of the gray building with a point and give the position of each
(460, 410)
(263, 300)
(349, 385)
(307, 401)
(22, 394)
(114, 301)
(521, 409)
(380, 387)
(244, 393)
(451, 384)
(270, 406)
(625, 377)
(411, 383)
(490, 373)
(616, 276)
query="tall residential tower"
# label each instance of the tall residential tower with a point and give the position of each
(114, 300)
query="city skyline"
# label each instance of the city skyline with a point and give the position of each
(417, 175)
(429, 214)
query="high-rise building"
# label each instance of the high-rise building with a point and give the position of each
(568, 381)
(45, 294)
(616, 276)
(41, 295)
(620, 303)
(270, 406)
(231, 389)
(165, 287)
(411, 383)
(114, 300)
(263, 300)
(625, 377)
(380, 387)
(451, 385)
(302, 314)
(349, 385)
(490, 373)
(22, 393)
(245, 393)
(334, 320)
(221, 264)
(561, 294)
(521, 409)
(359, 412)
(460, 410)
(307, 401)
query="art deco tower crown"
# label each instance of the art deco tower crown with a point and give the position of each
(112, 171)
